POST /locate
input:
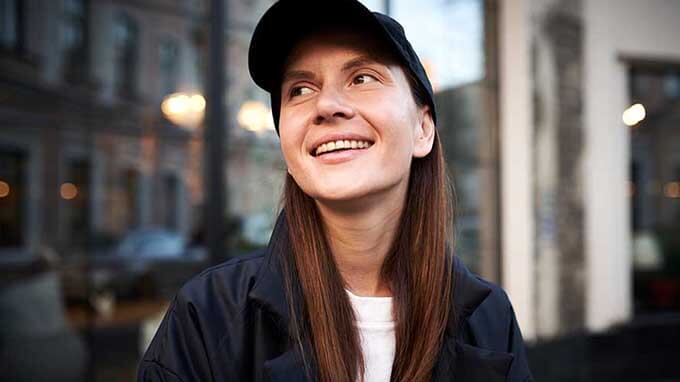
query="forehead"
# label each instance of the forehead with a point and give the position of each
(344, 41)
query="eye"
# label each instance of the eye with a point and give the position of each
(363, 79)
(299, 91)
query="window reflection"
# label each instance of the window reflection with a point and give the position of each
(101, 195)
(13, 166)
(125, 33)
(168, 52)
(10, 24)
(655, 189)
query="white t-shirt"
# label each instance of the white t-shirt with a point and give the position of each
(376, 329)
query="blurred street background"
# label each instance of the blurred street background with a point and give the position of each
(135, 151)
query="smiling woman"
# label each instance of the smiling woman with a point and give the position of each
(359, 282)
(332, 91)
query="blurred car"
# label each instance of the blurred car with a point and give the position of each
(147, 263)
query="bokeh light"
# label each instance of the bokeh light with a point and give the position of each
(68, 191)
(4, 189)
(184, 109)
(634, 114)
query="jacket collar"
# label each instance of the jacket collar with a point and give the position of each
(457, 358)
(268, 290)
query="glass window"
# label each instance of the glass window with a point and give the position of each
(9, 24)
(74, 40)
(131, 191)
(168, 52)
(171, 185)
(126, 40)
(13, 166)
(655, 192)
(75, 191)
(131, 183)
(672, 84)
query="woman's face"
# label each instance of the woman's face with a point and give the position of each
(349, 126)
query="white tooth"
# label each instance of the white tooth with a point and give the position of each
(330, 146)
(362, 144)
(321, 149)
(346, 144)
(339, 144)
(354, 144)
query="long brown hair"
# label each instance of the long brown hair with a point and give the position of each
(417, 269)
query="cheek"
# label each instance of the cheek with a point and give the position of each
(291, 137)
(396, 130)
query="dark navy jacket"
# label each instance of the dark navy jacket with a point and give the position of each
(230, 324)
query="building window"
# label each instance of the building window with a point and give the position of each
(126, 40)
(168, 52)
(74, 40)
(11, 25)
(131, 181)
(671, 84)
(171, 186)
(654, 191)
(77, 216)
(13, 165)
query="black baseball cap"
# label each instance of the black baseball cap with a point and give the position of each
(288, 21)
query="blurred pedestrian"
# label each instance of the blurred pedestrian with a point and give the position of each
(359, 281)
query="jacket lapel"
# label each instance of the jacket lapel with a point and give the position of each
(269, 293)
(268, 290)
(458, 360)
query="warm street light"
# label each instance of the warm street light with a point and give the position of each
(184, 109)
(4, 189)
(255, 116)
(634, 114)
(68, 191)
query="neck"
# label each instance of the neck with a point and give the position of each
(360, 237)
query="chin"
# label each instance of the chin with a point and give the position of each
(349, 193)
(343, 194)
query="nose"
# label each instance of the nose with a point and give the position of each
(330, 105)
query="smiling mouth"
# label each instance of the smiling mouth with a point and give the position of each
(341, 145)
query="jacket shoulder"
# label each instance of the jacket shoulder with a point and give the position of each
(206, 313)
(230, 281)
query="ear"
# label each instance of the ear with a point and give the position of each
(424, 134)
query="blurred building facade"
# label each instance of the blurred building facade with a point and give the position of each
(91, 155)
(566, 75)
(87, 154)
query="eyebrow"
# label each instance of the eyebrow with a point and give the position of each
(358, 62)
(291, 75)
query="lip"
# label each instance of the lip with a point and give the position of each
(341, 156)
(337, 137)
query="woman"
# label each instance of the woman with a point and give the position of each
(358, 281)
